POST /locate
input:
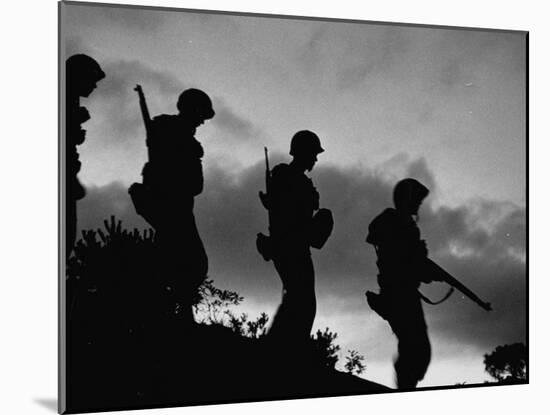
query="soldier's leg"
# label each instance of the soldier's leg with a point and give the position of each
(422, 348)
(414, 350)
(198, 258)
(296, 314)
(414, 353)
(192, 262)
(423, 354)
(282, 320)
(404, 363)
(167, 273)
(183, 259)
(305, 301)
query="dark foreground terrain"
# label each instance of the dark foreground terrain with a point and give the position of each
(129, 346)
(206, 364)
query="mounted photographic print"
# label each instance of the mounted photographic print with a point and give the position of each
(260, 207)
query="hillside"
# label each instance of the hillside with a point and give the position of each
(204, 365)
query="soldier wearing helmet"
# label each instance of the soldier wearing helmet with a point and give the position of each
(293, 203)
(174, 176)
(175, 165)
(401, 254)
(82, 75)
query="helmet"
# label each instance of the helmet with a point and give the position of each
(408, 192)
(83, 66)
(195, 101)
(305, 141)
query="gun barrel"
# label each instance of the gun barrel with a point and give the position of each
(267, 170)
(143, 107)
(266, 160)
(439, 274)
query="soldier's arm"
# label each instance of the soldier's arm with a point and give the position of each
(315, 198)
(192, 164)
(196, 180)
(406, 248)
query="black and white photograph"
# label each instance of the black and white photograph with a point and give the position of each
(261, 207)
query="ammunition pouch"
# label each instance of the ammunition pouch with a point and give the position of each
(321, 228)
(264, 246)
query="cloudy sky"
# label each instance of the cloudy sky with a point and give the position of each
(444, 106)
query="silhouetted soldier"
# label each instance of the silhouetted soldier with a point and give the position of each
(401, 256)
(172, 178)
(82, 75)
(292, 201)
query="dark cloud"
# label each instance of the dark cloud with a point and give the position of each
(102, 202)
(500, 281)
(228, 214)
(482, 243)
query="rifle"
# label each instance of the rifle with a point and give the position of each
(267, 171)
(437, 273)
(263, 242)
(139, 193)
(146, 117)
(264, 197)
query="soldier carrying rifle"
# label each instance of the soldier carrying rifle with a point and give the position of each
(172, 178)
(295, 224)
(402, 260)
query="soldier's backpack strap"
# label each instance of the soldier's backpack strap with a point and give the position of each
(427, 300)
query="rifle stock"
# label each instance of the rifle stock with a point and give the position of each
(263, 242)
(439, 274)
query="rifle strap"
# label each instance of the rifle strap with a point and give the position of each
(427, 300)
